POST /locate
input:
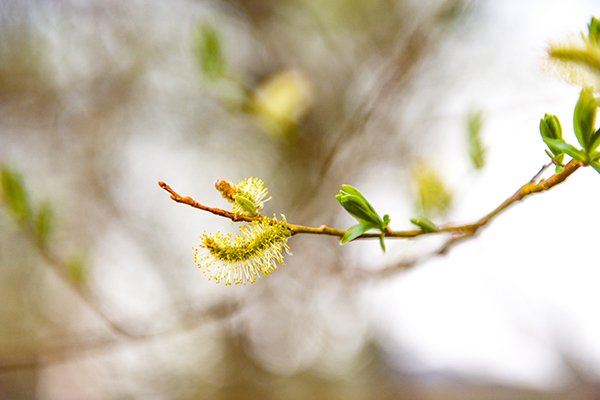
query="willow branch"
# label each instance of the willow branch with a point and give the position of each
(459, 232)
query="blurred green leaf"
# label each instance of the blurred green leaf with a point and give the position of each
(432, 195)
(77, 268)
(425, 224)
(281, 101)
(43, 223)
(208, 51)
(476, 150)
(584, 117)
(14, 194)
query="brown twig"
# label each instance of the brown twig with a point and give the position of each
(459, 232)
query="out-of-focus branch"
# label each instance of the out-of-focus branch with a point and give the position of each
(87, 344)
(35, 223)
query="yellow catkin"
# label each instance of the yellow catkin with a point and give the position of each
(241, 259)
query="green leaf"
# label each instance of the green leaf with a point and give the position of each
(425, 224)
(357, 205)
(595, 140)
(14, 194)
(584, 117)
(76, 268)
(351, 190)
(476, 150)
(596, 166)
(558, 160)
(246, 204)
(43, 223)
(567, 149)
(208, 50)
(358, 209)
(386, 221)
(550, 127)
(594, 156)
(354, 232)
(432, 195)
(382, 242)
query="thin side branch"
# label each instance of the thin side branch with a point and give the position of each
(193, 203)
(459, 232)
(59, 268)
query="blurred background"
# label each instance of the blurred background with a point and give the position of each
(429, 107)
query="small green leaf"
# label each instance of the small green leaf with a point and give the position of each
(208, 50)
(355, 203)
(386, 221)
(584, 117)
(354, 232)
(43, 223)
(595, 140)
(594, 156)
(432, 195)
(550, 127)
(247, 205)
(425, 224)
(14, 194)
(351, 190)
(359, 210)
(76, 268)
(382, 242)
(476, 150)
(567, 149)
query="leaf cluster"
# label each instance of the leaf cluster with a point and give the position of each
(584, 115)
(359, 207)
(584, 127)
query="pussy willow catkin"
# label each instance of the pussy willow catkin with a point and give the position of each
(243, 258)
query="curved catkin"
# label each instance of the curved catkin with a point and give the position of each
(243, 258)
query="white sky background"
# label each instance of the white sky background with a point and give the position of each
(509, 305)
